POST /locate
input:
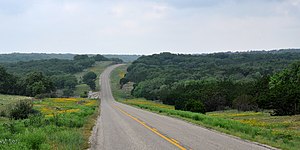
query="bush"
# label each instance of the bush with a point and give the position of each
(190, 105)
(194, 106)
(2, 113)
(84, 94)
(21, 110)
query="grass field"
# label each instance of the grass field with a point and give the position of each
(9, 99)
(64, 123)
(277, 131)
(97, 68)
(262, 119)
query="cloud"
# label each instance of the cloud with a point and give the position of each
(147, 26)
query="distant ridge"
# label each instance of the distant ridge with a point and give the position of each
(16, 57)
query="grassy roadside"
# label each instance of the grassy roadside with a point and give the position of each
(97, 68)
(116, 75)
(233, 123)
(64, 123)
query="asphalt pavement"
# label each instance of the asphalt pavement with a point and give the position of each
(123, 127)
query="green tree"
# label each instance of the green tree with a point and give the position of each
(100, 58)
(36, 83)
(80, 57)
(7, 82)
(89, 79)
(285, 91)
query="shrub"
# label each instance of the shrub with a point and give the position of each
(2, 113)
(194, 106)
(84, 94)
(21, 110)
(190, 105)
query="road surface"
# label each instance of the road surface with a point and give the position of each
(122, 127)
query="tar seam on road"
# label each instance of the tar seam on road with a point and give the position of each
(172, 141)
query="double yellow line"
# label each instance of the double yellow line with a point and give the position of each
(172, 141)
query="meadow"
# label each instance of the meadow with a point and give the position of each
(277, 131)
(62, 123)
(97, 68)
(6, 100)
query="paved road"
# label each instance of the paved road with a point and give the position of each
(122, 127)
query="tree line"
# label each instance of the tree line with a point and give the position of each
(209, 82)
(42, 78)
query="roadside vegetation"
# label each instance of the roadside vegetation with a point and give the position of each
(220, 81)
(51, 77)
(82, 88)
(51, 123)
(53, 117)
(277, 131)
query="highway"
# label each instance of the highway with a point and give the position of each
(123, 127)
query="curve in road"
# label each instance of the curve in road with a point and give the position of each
(123, 127)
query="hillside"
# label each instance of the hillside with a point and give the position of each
(218, 81)
(25, 57)
(16, 57)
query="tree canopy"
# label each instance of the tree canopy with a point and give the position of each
(218, 81)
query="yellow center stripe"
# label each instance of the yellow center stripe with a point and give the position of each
(172, 141)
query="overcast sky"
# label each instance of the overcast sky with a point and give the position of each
(148, 26)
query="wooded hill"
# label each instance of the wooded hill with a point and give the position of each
(41, 78)
(217, 81)
(24, 57)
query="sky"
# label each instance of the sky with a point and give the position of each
(147, 26)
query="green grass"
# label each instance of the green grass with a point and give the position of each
(10, 99)
(116, 75)
(262, 119)
(81, 88)
(98, 68)
(281, 131)
(7, 101)
(145, 103)
(65, 123)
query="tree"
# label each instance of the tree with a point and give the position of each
(36, 83)
(80, 57)
(89, 79)
(100, 58)
(244, 103)
(261, 92)
(194, 106)
(7, 82)
(285, 91)
(116, 60)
